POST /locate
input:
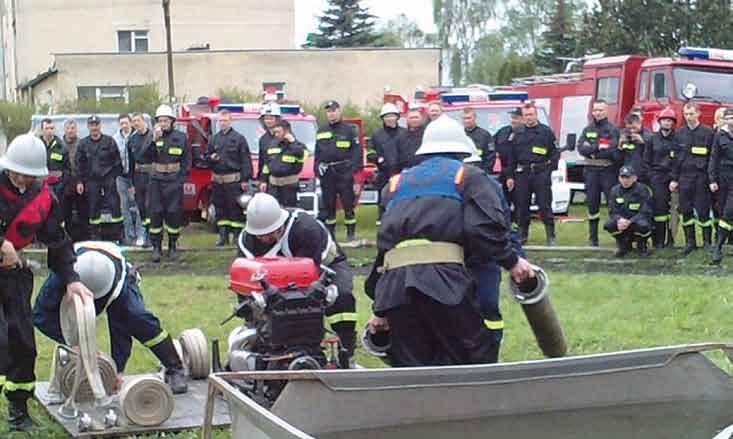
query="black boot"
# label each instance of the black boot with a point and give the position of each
(593, 233)
(18, 417)
(347, 335)
(524, 234)
(174, 375)
(690, 240)
(707, 233)
(172, 248)
(550, 232)
(223, 236)
(351, 232)
(642, 248)
(622, 247)
(156, 240)
(670, 236)
(660, 234)
(723, 236)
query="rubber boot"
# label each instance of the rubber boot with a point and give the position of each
(659, 235)
(550, 232)
(351, 232)
(348, 343)
(524, 234)
(723, 236)
(223, 236)
(156, 240)
(622, 247)
(18, 417)
(707, 233)
(174, 374)
(173, 248)
(593, 233)
(641, 247)
(690, 240)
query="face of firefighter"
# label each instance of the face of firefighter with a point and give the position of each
(333, 114)
(414, 119)
(600, 111)
(271, 238)
(95, 130)
(666, 124)
(125, 126)
(165, 123)
(627, 182)
(390, 120)
(434, 111)
(71, 131)
(469, 120)
(279, 133)
(692, 116)
(20, 181)
(530, 116)
(139, 123)
(516, 121)
(49, 130)
(225, 121)
(269, 121)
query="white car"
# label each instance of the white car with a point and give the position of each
(562, 191)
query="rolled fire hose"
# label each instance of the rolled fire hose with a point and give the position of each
(107, 371)
(533, 295)
(146, 401)
(195, 349)
(78, 326)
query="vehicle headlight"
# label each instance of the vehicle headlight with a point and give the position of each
(557, 178)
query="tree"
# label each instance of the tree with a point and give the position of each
(490, 56)
(559, 40)
(515, 66)
(402, 31)
(524, 24)
(345, 23)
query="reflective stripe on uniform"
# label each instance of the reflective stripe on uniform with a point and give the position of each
(172, 230)
(56, 157)
(156, 340)
(689, 222)
(494, 325)
(236, 224)
(643, 235)
(289, 159)
(708, 223)
(699, 150)
(2, 380)
(146, 222)
(725, 225)
(341, 317)
(594, 216)
(330, 221)
(223, 223)
(325, 135)
(118, 219)
(13, 387)
(661, 218)
(95, 221)
(618, 232)
(539, 150)
(156, 230)
(350, 221)
(274, 150)
(175, 151)
(343, 144)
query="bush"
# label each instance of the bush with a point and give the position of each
(369, 115)
(15, 118)
(144, 99)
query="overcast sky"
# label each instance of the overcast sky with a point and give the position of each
(421, 11)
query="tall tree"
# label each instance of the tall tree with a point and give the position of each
(524, 21)
(345, 23)
(402, 31)
(559, 40)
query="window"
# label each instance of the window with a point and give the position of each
(644, 86)
(132, 40)
(119, 93)
(659, 89)
(607, 90)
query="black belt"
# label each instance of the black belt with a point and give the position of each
(533, 166)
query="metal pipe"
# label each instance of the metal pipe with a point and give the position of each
(169, 50)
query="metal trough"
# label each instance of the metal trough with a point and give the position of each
(670, 392)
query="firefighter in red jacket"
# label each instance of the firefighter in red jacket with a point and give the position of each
(28, 211)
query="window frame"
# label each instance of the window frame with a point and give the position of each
(134, 36)
(610, 99)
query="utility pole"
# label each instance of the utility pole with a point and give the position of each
(169, 49)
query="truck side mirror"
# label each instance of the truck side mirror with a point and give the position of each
(570, 142)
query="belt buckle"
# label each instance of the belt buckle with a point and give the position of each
(520, 169)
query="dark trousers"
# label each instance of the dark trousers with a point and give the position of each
(342, 314)
(538, 183)
(127, 318)
(695, 197)
(102, 196)
(425, 332)
(228, 211)
(17, 339)
(488, 283)
(287, 196)
(142, 182)
(76, 215)
(661, 197)
(338, 182)
(725, 199)
(598, 181)
(637, 230)
(165, 203)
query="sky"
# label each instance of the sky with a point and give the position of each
(307, 11)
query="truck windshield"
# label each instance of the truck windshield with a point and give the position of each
(493, 119)
(712, 85)
(252, 130)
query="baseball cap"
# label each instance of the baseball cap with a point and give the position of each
(94, 119)
(627, 171)
(516, 112)
(330, 105)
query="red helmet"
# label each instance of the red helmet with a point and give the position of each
(667, 113)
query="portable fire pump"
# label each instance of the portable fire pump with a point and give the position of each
(282, 302)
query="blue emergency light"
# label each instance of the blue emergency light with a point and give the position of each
(454, 98)
(290, 109)
(706, 53)
(234, 108)
(508, 96)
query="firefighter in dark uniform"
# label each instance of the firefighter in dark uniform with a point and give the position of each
(274, 231)
(28, 211)
(115, 285)
(57, 159)
(720, 173)
(481, 139)
(142, 168)
(283, 161)
(629, 213)
(385, 147)
(631, 144)
(270, 115)
(171, 158)
(660, 156)
(690, 177)
(504, 143)
(75, 206)
(229, 158)
(337, 157)
(440, 217)
(535, 156)
(99, 164)
(412, 139)
(599, 146)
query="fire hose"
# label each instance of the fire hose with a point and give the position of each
(146, 401)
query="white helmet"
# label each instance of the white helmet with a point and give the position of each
(445, 135)
(25, 155)
(96, 271)
(264, 215)
(270, 109)
(389, 108)
(165, 111)
(473, 158)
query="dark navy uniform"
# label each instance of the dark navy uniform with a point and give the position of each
(720, 172)
(385, 146)
(282, 163)
(99, 164)
(485, 147)
(265, 141)
(504, 143)
(142, 168)
(660, 157)
(634, 204)
(231, 167)
(599, 145)
(306, 237)
(408, 146)
(632, 152)
(535, 156)
(57, 161)
(441, 217)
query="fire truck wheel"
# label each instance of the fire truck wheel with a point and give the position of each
(195, 349)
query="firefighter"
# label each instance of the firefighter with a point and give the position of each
(171, 158)
(659, 158)
(535, 156)
(481, 139)
(337, 157)
(690, 178)
(28, 211)
(631, 144)
(231, 167)
(599, 145)
(142, 168)
(283, 162)
(116, 287)
(412, 140)
(629, 213)
(435, 110)
(385, 146)
(504, 139)
(440, 217)
(720, 173)
(274, 231)
(57, 158)
(269, 116)
(75, 207)
(99, 164)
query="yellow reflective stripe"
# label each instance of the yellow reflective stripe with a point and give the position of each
(159, 143)
(156, 340)
(620, 200)
(118, 219)
(95, 221)
(690, 222)
(341, 317)
(265, 169)
(146, 222)
(174, 230)
(643, 235)
(539, 150)
(350, 221)
(628, 146)
(661, 218)
(289, 159)
(274, 150)
(2, 380)
(236, 225)
(12, 387)
(618, 232)
(223, 223)
(343, 144)
(699, 150)
(175, 151)
(708, 223)
(725, 225)
(494, 325)
(671, 154)
(635, 206)
(56, 156)
(591, 135)
(330, 221)
(325, 135)
(156, 230)
(594, 216)
(413, 243)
